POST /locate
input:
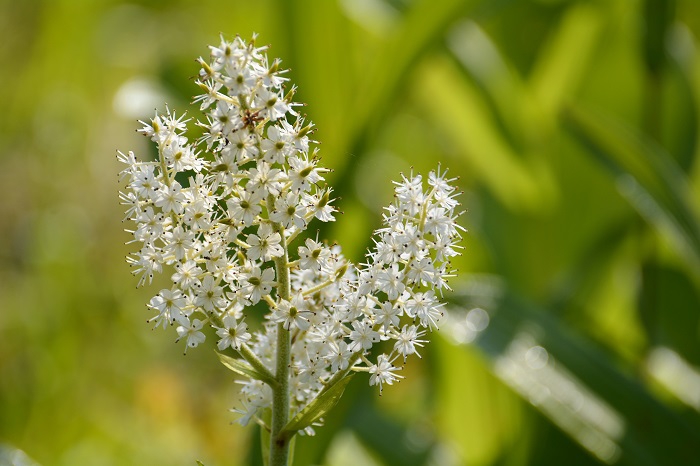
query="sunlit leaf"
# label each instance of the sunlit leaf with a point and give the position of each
(564, 58)
(422, 26)
(501, 86)
(10, 456)
(573, 383)
(483, 424)
(458, 109)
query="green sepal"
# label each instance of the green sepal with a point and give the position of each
(316, 409)
(243, 368)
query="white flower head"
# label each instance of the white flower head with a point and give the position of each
(225, 214)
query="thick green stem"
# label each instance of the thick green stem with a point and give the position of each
(279, 445)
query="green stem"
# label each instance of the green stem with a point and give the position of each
(279, 445)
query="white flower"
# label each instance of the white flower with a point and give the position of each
(383, 372)
(265, 245)
(319, 204)
(408, 339)
(271, 104)
(277, 146)
(292, 313)
(388, 315)
(209, 296)
(410, 194)
(191, 331)
(425, 307)
(389, 249)
(146, 262)
(303, 173)
(390, 281)
(265, 179)
(233, 334)
(289, 211)
(313, 255)
(421, 271)
(225, 118)
(187, 275)
(339, 355)
(245, 207)
(363, 336)
(241, 147)
(197, 215)
(151, 225)
(178, 241)
(144, 182)
(169, 304)
(240, 80)
(259, 283)
(170, 198)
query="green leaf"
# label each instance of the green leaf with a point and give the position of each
(460, 111)
(658, 19)
(565, 57)
(316, 409)
(199, 463)
(574, 384)
(647, 177)
(422, 27)
(244, 369)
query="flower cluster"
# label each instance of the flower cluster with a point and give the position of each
(222, 214)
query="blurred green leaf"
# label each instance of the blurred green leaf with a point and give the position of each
(576, 386)
(461, 113)
(646, 176)
(496, 78)
(673, 315)
(316, 409)
(422, 26)
(392, 442)
(658, 17)
(265, 437)
(474, 411)
(564, 58)
(679, 112)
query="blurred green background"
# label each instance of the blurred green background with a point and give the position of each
(573, 126)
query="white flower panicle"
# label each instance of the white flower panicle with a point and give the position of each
(220, 214)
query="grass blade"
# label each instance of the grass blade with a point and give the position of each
(647, 177)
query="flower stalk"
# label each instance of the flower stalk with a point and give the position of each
(279, 446)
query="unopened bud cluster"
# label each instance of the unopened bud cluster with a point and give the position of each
(222, 216)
